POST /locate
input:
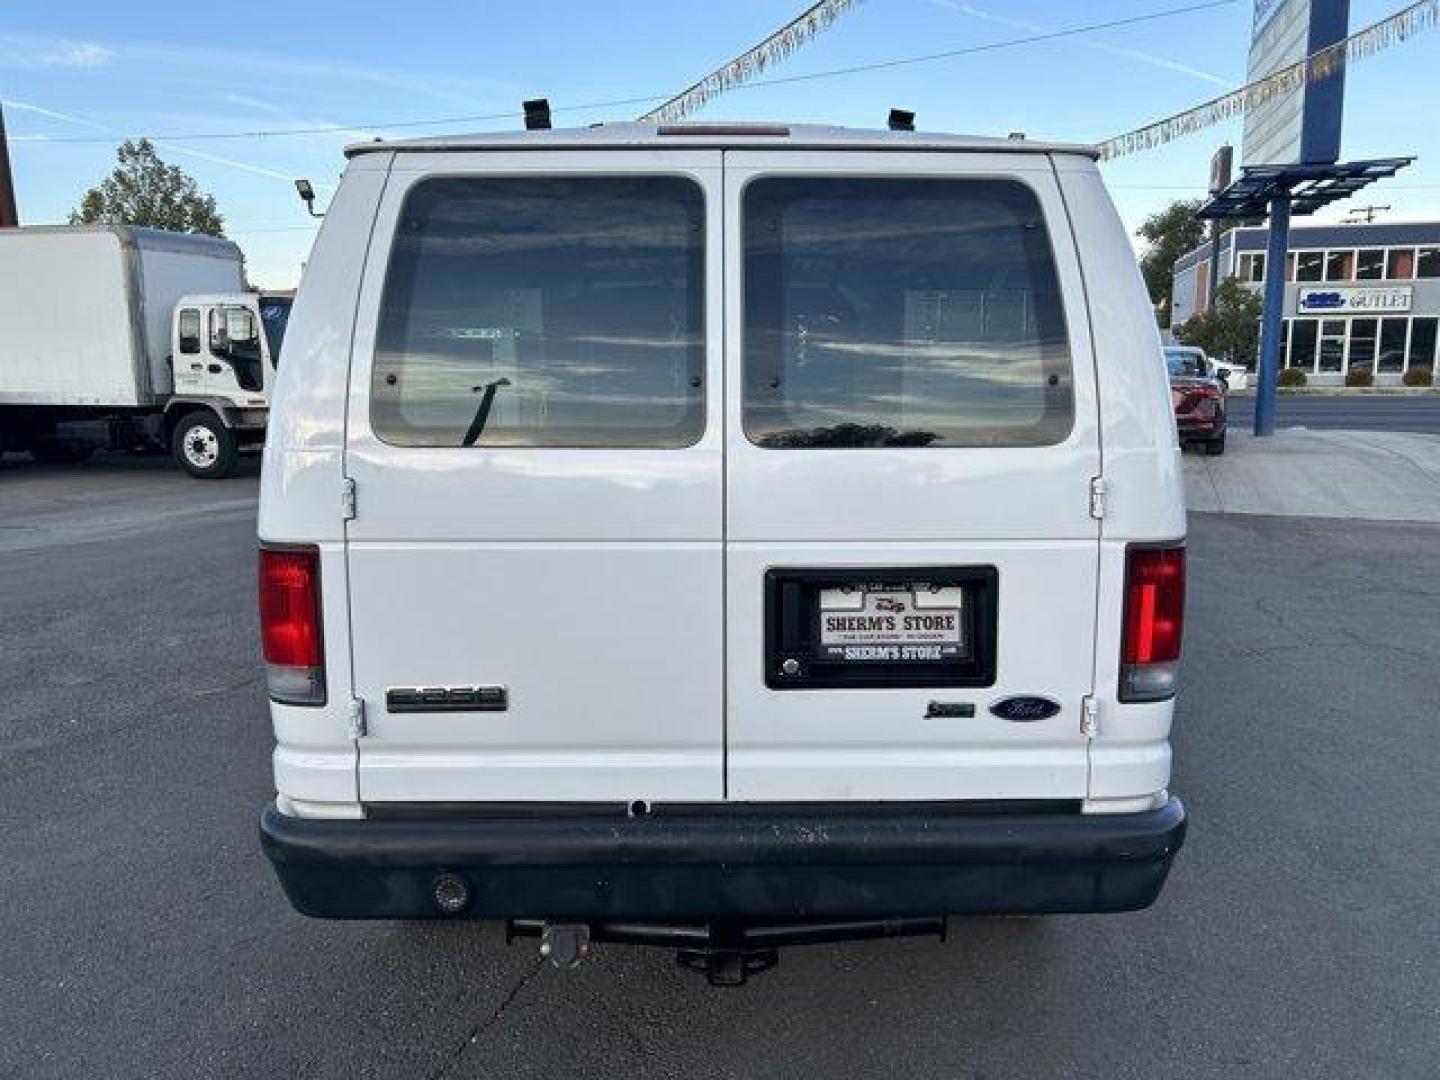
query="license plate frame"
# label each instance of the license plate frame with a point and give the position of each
(796, 656)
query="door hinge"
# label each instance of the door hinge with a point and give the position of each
(357, 718)
(1089, 717)
(1097, 496)
(347, 499)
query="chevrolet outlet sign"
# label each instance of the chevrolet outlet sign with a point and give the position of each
(1330, 301)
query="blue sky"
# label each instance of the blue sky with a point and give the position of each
(80, 71)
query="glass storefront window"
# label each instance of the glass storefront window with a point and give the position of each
(1252, 266)
(1309, 265)
(1428, 263)
(1302, 343)
(1339, 266)
(1370, 264)
(1392, 345)
(1422, 343)
(1362, 344)
(1400, 264)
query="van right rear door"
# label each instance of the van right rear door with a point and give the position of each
(911, 440)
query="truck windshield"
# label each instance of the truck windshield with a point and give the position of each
(274, 315)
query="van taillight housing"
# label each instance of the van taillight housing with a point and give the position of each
(1154, 620)
(290, 628)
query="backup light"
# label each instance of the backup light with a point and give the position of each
(1154, 622)
(290, 629)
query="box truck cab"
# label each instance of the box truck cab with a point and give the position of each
(721, 535)
(130, 338)
(224, 353)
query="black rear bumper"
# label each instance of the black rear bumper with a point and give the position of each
(792, 862)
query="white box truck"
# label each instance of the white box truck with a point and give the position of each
(131, 338)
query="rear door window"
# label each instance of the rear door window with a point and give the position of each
(919, 312)
(543, 312)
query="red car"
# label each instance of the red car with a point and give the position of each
(1199, 399)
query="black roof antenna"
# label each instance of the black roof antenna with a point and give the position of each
(902, 120)
(537, 114)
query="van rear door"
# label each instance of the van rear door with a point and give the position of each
(534, 434)
(911, 557)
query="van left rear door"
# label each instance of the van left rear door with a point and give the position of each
(534, 434)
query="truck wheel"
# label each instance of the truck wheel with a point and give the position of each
(203, 446)
(59, 452)
(1215, 447)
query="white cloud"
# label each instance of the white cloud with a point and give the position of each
(34, 53)
(1152, 59)
(245, 101)
(77, 54)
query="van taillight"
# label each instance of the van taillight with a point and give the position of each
(1154, 619)
(290, 630)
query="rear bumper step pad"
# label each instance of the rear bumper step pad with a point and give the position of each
(796, 863)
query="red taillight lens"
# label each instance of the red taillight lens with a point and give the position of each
(290, 630)
(1154, 621)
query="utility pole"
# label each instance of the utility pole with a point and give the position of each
(9, 219)
(1366, 212)
(1221, 167)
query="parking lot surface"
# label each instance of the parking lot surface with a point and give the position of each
(142, 934)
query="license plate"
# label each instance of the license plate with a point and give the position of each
(891, 623)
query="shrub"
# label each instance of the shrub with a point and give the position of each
(1359, 378)
(1291, 376)
(1418, 377)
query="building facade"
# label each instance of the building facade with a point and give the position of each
(1357, 297)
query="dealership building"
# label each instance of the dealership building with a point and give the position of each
(1357, 297)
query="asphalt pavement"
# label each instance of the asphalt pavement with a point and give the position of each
(1350, 412)
(142, 934)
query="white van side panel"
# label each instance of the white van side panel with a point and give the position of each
(1145, 502)
(301, 484)
(1145, 497)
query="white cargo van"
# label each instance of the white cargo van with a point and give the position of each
(721, 536)
(129, 338)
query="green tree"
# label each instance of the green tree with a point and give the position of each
(1169, 234)
(145, 191)
(1230, 329)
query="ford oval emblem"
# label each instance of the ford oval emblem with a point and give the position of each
(1025, 708)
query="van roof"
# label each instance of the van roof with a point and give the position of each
(727, 136)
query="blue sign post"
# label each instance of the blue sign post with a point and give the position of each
(1272, 323)
(1278, 191)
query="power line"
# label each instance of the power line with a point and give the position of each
(645, 99)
